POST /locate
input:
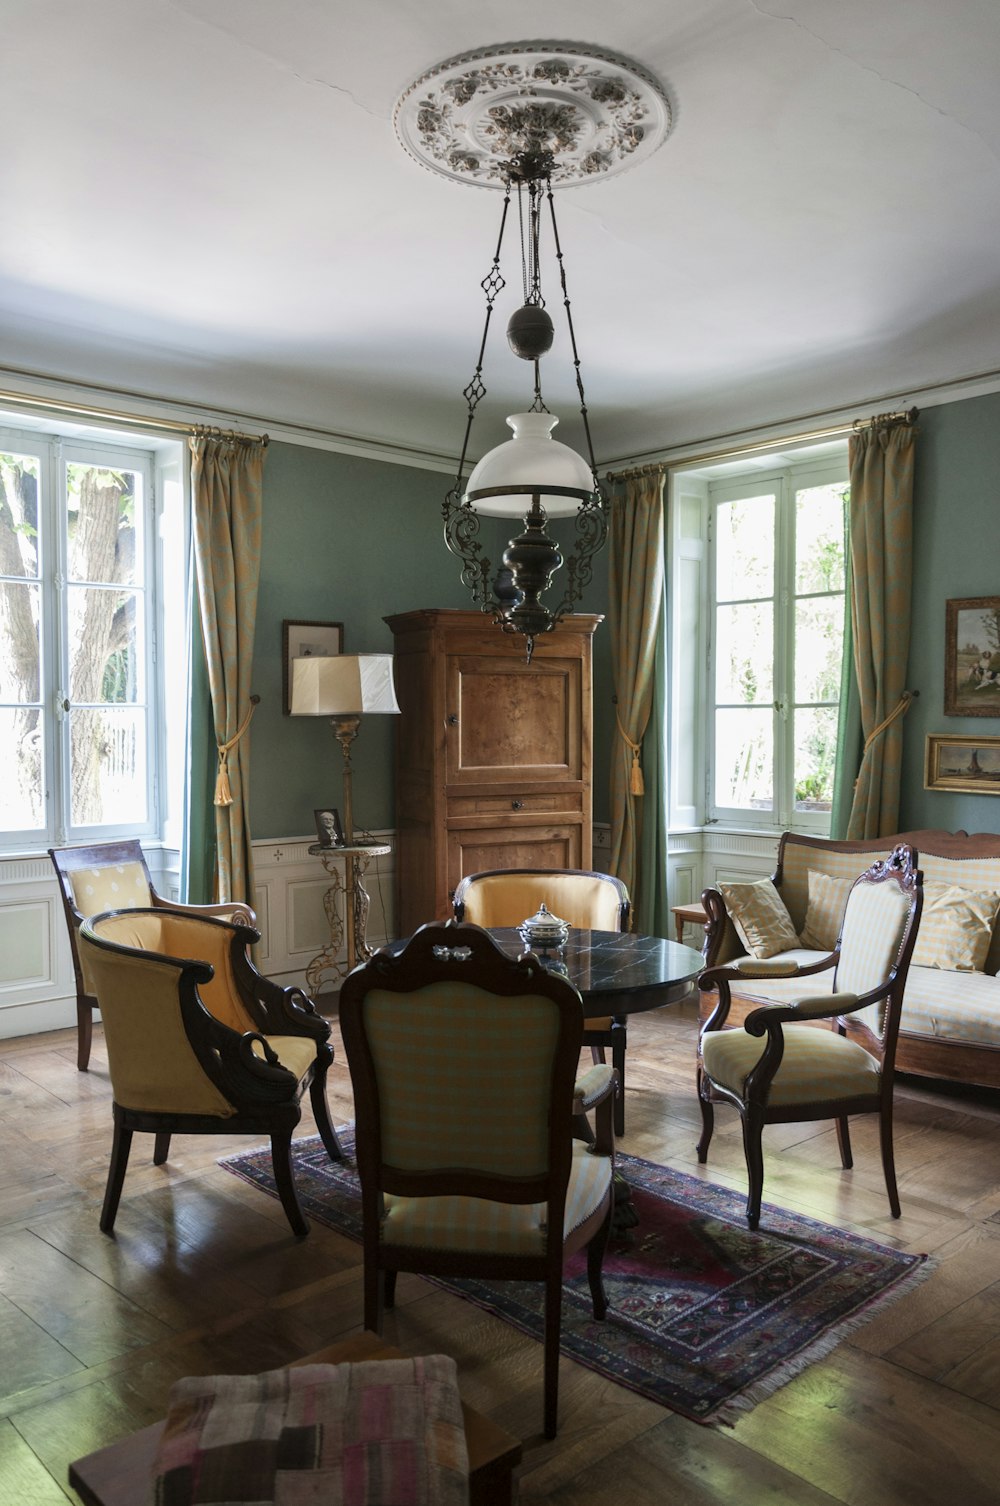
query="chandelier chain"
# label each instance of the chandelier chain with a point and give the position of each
(584, 414)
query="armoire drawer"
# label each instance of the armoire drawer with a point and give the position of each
(564, 801)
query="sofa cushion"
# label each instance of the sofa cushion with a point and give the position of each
(761, 920)
(956, 927)
(827, 903)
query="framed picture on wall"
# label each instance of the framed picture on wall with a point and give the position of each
(962, 763)
(305, 640)
(972, 657)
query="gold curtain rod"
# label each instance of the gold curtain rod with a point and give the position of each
(133, 420)
(733, 452)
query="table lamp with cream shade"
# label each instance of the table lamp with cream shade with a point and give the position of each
(345, 687)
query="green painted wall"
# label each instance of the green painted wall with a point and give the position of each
(956, 554)
(351, 540)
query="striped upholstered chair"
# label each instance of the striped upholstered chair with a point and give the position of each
(587, 901)
(825, 1056)
(463, 1063)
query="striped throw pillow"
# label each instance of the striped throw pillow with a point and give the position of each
(827, 903)
(956, 927)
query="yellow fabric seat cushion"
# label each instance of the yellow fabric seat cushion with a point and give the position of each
(296, 1052)
(818, 1065)
(604, 1023)
(477, 1224)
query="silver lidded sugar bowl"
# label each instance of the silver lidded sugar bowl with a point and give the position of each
(543, 931)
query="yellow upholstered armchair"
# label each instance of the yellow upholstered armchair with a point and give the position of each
(463, 1062)
(113, 876)
(199, 1043)
(588, 901)
(821, 1055)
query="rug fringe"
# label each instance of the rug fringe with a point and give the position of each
(730, 1412)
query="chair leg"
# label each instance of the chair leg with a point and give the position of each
(596, 1251)
(161, 1147)
(374, 1293)
(888, 1158)
(707, 1120)
(84, 1033)
(753, 1131)
(120, 1147)
(553, 1323)
(618, 1062)
(597, 1056)
(844, 1141)
(321, 1114)
(390, 1288)
(281, 1161)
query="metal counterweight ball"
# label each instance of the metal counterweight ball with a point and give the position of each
(530, 332)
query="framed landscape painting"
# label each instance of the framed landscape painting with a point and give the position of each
(972, 657)
(962, 763)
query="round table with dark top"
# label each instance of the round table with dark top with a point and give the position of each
(616, 972)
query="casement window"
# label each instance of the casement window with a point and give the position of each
(80, 686)
(776, 574)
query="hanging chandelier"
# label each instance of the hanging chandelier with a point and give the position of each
(526, 118)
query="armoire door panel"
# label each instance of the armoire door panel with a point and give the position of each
(510, 720)
(513, 847)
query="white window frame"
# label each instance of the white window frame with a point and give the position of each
(784, 482)
(57, 447)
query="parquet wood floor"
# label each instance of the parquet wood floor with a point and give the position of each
(203, 1275)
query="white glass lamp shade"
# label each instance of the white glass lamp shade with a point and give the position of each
(531, 459)
(343, 685)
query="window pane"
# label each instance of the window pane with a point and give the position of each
(102, 509)
(815, 756)
(819, 538)
(19, 515)
(107, 766)
(744, 660)
(744, 549)
(22, 752)
(819, 647)
(743, 759)
(106, 663)
(19, 678)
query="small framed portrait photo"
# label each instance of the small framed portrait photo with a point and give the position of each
(328, 828)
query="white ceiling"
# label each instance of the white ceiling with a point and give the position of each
(205, 200)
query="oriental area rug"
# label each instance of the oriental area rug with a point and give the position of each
(704, 1317)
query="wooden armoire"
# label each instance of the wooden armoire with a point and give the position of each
(493, 755)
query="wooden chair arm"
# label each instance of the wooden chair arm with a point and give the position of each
(234, 911)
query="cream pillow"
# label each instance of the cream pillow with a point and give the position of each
(825, 912)
(956, 926)
(762, 923)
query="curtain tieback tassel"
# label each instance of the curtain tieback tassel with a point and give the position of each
(223, 791)
(636, 783)
(900, 709)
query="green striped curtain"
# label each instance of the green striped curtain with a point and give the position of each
(635, 604)
(881, 461)
(226, 492)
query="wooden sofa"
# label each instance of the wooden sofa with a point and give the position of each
(950, 1024)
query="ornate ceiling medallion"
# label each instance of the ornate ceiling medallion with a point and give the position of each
(597, 114)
